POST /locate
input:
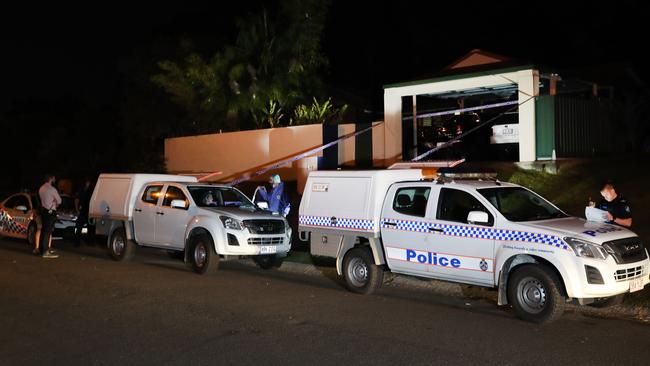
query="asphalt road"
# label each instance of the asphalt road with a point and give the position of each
(85, 309)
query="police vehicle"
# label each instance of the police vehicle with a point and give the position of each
(17, 214)
(472, 231)
(205, 222)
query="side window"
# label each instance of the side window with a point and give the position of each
(412, 201)
(22, 200)
(12, 202)
(174, 193)
(151, 194)
(455, 205)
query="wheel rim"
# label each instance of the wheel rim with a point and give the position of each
(531, 294)
(200, 255)
(358, 272)
(118, 245)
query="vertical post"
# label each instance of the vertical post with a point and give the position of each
(414, 145)
(553, 82)
(528, 84)
(392, 127)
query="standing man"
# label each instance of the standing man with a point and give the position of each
(50, 200)
(82, 201)
(277, 199)
(617, 207)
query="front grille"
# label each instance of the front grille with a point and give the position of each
(266, 241)
(629, 250)
(629, 273)
(265, 226)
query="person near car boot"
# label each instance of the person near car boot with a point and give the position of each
(50, 200)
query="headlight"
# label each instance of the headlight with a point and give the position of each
(586, 249)
(230, 223)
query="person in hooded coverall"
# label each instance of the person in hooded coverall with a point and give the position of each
(277, 199)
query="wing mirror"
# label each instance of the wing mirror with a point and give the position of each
(178, 204)
(21, 208)
(478, 217)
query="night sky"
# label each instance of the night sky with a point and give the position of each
(89, 53)
(80, 51)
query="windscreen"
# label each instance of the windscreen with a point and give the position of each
(520, 204)
(206, 196)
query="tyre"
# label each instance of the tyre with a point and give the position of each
(31, 234)
(535, 293)
(119, 247)
(268, 261)
(202, 257)
(605, 302)
(361, 274)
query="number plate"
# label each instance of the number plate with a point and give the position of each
(507, 131)
(636, 284)
(267, 249)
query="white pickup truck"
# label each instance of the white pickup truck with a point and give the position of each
(479, 232)
(176, 213)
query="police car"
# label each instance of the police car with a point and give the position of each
(472, 231)
(17, 216)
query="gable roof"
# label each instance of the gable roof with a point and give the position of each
(477, 57)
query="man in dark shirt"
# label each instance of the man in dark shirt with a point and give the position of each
(617, 207)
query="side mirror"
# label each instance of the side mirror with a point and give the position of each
(263, 205)
(478, 217)
(21, 208)
(178, 204)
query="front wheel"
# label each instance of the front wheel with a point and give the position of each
(268, 261)
(120, 248)
(535, 294)
(361, 274)
(202, 256)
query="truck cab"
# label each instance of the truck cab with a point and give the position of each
(473, 231)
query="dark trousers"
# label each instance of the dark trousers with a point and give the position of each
(48, 219)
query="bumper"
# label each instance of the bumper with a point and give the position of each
(617, 278)
(242, 242)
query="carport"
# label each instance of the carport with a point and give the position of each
(466, 77)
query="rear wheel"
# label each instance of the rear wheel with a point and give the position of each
(119, 247)
(202, 256)
(361, 274)
(535, 293)
(268, 261)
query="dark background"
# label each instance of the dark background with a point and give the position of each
(75, 79)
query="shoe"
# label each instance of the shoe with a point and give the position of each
(50, 255)
(36, 251)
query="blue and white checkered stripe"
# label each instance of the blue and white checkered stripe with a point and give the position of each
(340, 223)
(8, 224)
(476, 232)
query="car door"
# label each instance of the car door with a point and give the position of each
(464, 251)
(145, 213)
(171, 222)
(15, 216)
(404, 229)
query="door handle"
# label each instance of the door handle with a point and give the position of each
(390, 224)
(160, 213)
(137, 210)
(431, 228)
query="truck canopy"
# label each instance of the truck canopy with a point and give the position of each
(349, 200)
(115, 194)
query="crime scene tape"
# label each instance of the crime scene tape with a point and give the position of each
(300, 156)
(461, 110)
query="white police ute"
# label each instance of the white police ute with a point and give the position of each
(474, 231)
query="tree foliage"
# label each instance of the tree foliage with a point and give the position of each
(273, 64)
